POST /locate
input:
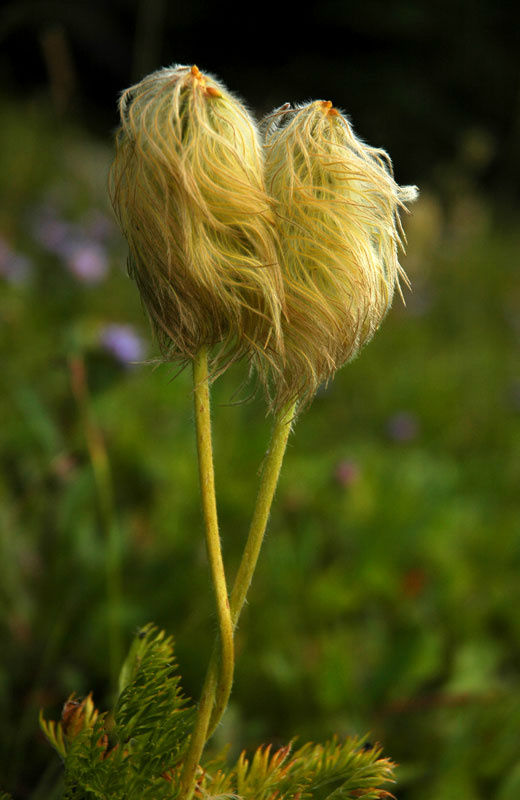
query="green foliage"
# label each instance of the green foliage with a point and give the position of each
(136, 752)
(151, 713)
(387, 593)
(334, 771)
(124, 756)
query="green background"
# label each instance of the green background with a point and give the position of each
(387, 595)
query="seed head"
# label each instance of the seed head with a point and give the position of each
(337, 211)
(187, 185)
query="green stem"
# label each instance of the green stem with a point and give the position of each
(105, 492)
(226, 664)
(268, 482)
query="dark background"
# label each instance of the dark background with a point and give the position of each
(416, 77)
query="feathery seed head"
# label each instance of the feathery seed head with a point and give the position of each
(188, 188)
(337, 209)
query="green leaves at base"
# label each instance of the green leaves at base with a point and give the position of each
(136, 752)
(334, 771)
(127, 755)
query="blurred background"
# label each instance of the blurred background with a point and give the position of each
(387, 596)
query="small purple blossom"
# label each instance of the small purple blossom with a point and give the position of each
(87, 260)
(15, 268)
(346, 473)
(122, 342)
(81, 247)
(402, 427)
(51, 232)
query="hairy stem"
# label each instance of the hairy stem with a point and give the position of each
(222, 667)
(268, 482)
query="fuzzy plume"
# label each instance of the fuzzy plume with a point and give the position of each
(187, 186)
(337, 207)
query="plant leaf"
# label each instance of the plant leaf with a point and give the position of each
(311, 771)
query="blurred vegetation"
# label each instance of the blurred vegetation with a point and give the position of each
(416, 78)
(387, 595)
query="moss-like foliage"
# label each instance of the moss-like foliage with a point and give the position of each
(333, 770)
(136, 752)
(126, 754)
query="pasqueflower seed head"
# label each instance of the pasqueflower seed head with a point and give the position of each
(337, 213)
(187, 185)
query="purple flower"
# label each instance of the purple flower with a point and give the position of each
(87, 260)
(15, 268)
(402, 427)
(123, 342)
(346, 473)
(51, 232)
(80, 247)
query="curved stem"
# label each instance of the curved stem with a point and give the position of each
(200, 730)
(268, 482)
(226, 662)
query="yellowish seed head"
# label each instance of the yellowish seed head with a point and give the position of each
(337, 215)
(187, 185)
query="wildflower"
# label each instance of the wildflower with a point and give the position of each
(50, 231)
(346, 473)
(338, 227)
(402, 427)
(80, 248)
(87, 260)
(187, 186)
(122, 342)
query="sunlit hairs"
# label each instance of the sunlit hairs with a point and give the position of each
(337, 214)
(187, 185)
(283, 250)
